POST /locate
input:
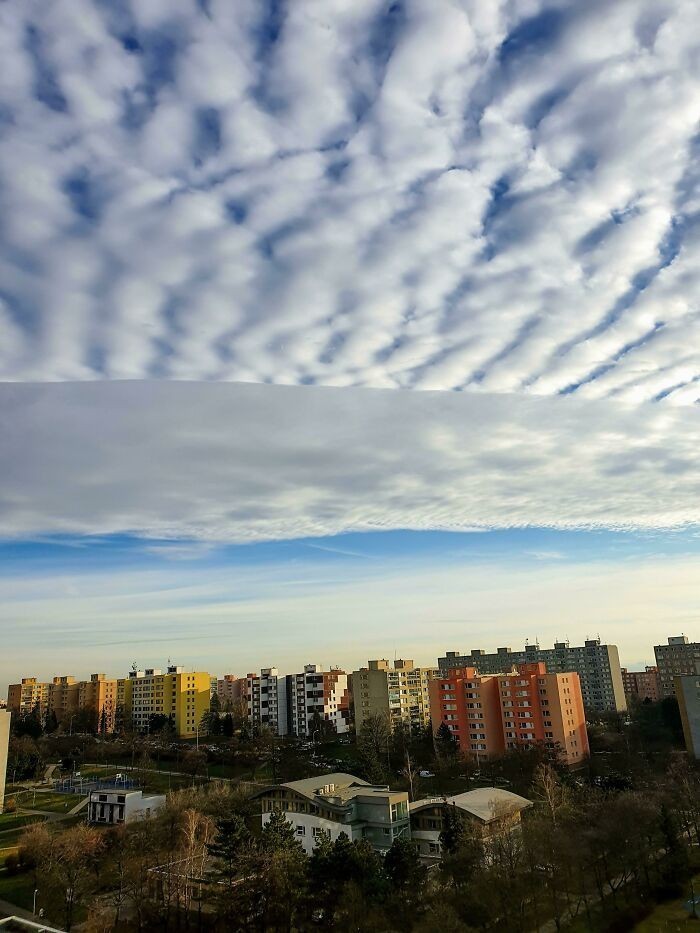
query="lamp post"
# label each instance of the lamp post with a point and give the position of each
(36, 891)
(70, 726)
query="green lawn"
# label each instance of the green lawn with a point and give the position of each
(10, 821)
(670, 917)
(17, 889)
(46, 801)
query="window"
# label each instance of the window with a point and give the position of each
(301, 830)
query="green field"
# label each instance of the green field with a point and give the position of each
(48, 802)
(17, 889)
(9, 821)
(667, 918)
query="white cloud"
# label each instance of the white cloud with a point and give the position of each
(494, 196)
(224, 462)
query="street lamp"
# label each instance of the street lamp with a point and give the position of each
(36, 891)
(70, 727)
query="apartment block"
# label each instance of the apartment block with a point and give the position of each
(28, 695)
(339, 803)
(597, 665)
(266, 695)
(317, 693)
(5, 718)
(183, 696)
(399, 692)
(687, 689)
(489, 714)
(230, 690)
(642, 686)
(675, 659)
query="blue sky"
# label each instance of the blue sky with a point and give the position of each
(99, 603)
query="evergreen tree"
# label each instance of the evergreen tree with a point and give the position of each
(445, 742)
(227, 726)
(403, 866)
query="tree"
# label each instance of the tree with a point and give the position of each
(227, 726)
(403, 867)
(373, 747)
(227, 850)
(51, 724)
(446, 747)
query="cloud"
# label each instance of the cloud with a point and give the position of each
(221, 462)
(500, 197)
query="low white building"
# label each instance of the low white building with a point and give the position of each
(339, 803)
(490, 809)
(111, 807)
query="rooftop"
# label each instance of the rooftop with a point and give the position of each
(485, 803)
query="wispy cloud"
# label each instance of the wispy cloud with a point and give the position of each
(490, 196)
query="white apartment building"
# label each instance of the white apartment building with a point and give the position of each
(111, 807)
(266, 694)
(315, 692)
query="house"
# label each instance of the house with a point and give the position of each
(339, 803)
(489, 809)
(111, 807)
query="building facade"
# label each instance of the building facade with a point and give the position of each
(491, 714)
(5, 718)
(317, 700)
(230, 691)
(642, 686)
(182, 696)
(266, 696)
(398, 692)
(28, 695)
(687, 689)
(597, 665)
(675, 659)
(490, 810)
(64, 697)
(112, 807)
(339, 803)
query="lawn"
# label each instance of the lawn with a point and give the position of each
(17, 889)
(673, 916)
(10, 821)
(48, 802)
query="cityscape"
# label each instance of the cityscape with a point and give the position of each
(349, 446)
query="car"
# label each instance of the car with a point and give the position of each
(426, 774)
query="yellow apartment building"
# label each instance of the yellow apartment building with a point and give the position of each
(184, 696)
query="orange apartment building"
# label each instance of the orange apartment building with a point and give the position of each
(642, 685)
(490, 714)
(66, 696)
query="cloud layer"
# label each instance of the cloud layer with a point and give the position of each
(499, 195)
(224, 462)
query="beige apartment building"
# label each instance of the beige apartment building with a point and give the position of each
(399, 692)
(687, 689)
(65, 696)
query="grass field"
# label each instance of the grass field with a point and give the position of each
(667, 918)
(17, 889)
(48, 802)
(9, 821)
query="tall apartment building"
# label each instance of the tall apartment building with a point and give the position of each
(675, 659)
(642, 685)
(288, 704)
(687, 689)
(489, 714)
(266, 694)
(315, 692)
(230, 689)
(28, 695)
(598, 667)
(65, 696)
(183, 696)
(399, 692)
(5, 717)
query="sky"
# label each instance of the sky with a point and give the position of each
(331, 329)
